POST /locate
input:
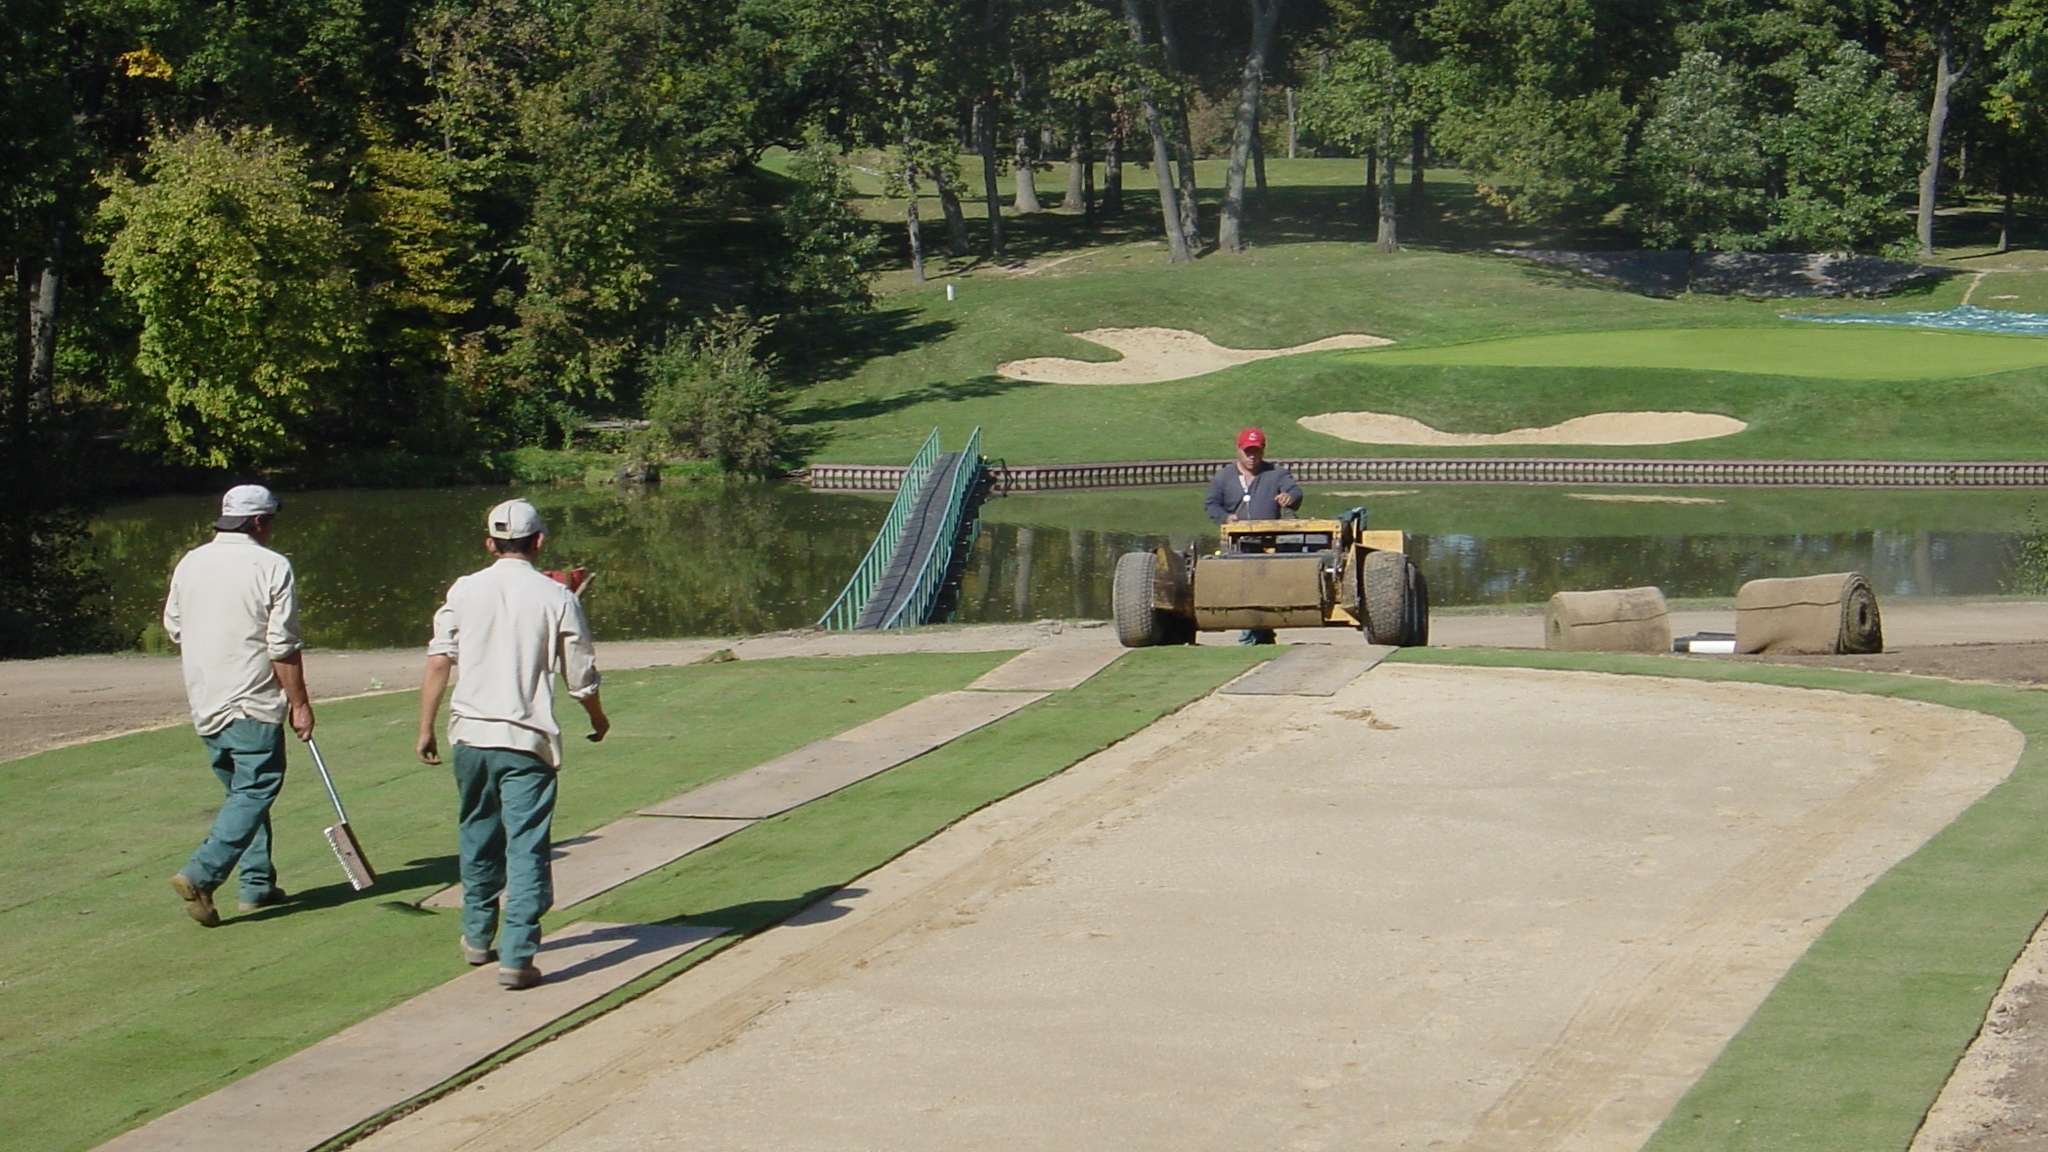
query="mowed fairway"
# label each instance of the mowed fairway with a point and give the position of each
(1825, 353)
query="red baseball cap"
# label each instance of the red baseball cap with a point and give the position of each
(1251, 438)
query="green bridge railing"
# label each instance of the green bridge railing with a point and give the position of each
(938, 557)
(845, 611)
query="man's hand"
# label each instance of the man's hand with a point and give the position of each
(1284, 499)
(291, 676)
(599, 722)
(1230, 518)
(433, 682)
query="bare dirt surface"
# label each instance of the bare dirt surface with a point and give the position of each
(50, 703)
(1598, 428)
(1447, 906)
(1152, 355)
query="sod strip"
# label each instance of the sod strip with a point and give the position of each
(115, 1008)
(1852, 1047)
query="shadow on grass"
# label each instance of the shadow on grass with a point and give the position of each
(976, 388)
(816, 906)
(435, 871)
(832, 345)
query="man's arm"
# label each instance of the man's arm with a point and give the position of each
(281, 634)
(1289, 494)
(579, 668)
(441, 654)
(1219, 511)
(291, 676)
(433, 685)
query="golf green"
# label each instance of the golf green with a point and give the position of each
(1826, 353)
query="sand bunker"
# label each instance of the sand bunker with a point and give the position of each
(1152, 355)
(1599, 428)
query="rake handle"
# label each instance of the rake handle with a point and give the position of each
(321, 763)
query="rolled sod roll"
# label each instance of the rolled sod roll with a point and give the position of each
(1614, 620)
(1809, 615)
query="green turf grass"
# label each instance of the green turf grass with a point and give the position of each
(1812, 352)
(1851, 1048)
(117, 1007)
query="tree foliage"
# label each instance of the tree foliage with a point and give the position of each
(233, 265)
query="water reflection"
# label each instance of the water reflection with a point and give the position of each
(728, 559)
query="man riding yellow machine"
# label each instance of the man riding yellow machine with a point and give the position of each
(1276, 574)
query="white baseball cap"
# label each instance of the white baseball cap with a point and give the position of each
(243, 501)
(514, 520)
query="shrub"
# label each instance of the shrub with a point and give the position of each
(710, 397)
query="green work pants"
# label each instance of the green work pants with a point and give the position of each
(248, 757)
(507, 813)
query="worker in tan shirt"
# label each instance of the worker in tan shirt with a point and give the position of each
(508, 630)
(233, 614)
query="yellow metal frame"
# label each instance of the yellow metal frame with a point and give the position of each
(1340, 532)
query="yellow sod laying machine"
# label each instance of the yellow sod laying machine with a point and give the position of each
(1276, 574)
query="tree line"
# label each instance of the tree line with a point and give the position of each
(246, 232)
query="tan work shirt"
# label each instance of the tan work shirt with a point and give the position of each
(509, 630)
(231, 612)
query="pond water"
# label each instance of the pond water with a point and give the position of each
(728, 559)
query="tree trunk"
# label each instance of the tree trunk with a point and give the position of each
(1945, 78)
(985, 143)
(2005, 221)
(1162, 162)
(1113, 175)
(1022, 168)
(1265, 17)
(1386, 239)
(42, 326)
(1076, 157)
(1184, 147)
(1259, 166)
(956, 220)
(910, 224)
(1418, 157)
(1087, 170)
(1293, 134)
(18, 292)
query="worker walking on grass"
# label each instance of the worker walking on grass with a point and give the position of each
(233, 615)
(1252, 488)
(510, 630)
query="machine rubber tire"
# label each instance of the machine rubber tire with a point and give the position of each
(1138, 623)
(1418, 609)
(1386, 597)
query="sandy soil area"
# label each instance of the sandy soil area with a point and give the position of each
(1456, 906)
(1599, 428)
(1152, 355)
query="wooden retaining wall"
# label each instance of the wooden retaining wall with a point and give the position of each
(1522, 470)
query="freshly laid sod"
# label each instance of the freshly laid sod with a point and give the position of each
(1812, 352)
(1851, 1048)
(117, 1008)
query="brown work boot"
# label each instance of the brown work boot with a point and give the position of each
(518, 979)
(198, 901)
(269, 899)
